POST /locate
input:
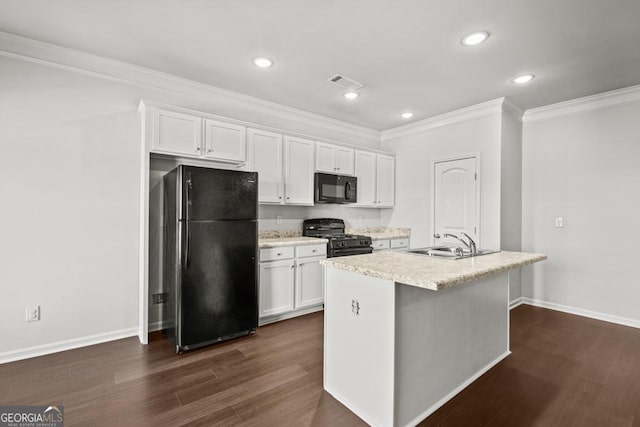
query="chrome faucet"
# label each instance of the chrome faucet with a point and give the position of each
(471, 245)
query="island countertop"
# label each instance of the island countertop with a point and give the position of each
(428, 272)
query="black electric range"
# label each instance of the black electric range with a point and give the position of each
(340, 244)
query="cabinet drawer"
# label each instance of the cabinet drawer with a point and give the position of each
(399, 243)
(380, 244)
(311, 250)
(271, 254)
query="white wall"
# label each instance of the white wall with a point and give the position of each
(414, 154)
(585, 168)
(511, 195)
(70, 189)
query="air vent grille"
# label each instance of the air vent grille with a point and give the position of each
(345, 82)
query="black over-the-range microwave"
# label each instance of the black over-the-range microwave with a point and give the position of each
(332, 188)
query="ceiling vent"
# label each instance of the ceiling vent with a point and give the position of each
(345, 82)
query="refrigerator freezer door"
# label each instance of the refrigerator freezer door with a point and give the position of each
(219, 282)
(217, 194)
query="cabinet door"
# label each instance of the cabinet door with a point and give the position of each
(267, 161)
(385, 178)
(309, 288)
(298, 170)
(225, 141)
(276, 287)
(325, 157)
(365, 166)
(176, 133)
(345, 160)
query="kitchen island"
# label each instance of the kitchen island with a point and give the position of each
(404, 332)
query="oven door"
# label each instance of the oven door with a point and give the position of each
(330, 188)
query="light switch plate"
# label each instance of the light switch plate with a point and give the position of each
(559, 222)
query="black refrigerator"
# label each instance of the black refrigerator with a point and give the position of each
(210, 255)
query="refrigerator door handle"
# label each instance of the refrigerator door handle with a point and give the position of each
(187, 222)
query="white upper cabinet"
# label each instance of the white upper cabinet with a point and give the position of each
(182, 134)
(376, 179)
(225, 141)
(366, 174)
(345, 160)
(298, 170)
(176, 133)
(267, 161)
(385, 179)
(332, 158)
(284, 166)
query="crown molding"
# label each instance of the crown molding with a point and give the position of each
(456, 116)
(511, 109)
(613, 98)
(18, 47)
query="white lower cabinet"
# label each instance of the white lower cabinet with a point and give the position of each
(397, 244)
(293, 286)
(309, 289)
(276, 287)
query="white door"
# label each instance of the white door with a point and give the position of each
(325, 157)
(225, 141)
(298, 171)
(309, 287)
(176, 133)
(345, 160)
(366, 174)
(385, 180)
(456, 199)
(276, 287)
(267, 161)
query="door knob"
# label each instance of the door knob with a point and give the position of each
(437, 235)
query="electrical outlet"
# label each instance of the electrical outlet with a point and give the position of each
(33, 314)
(278, 219)
(559, 222)
(159, 298)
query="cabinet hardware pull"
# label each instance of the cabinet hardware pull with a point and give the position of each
(279, 253)
(197, 148)
(355, 307)
(288, 198)
(313, 250)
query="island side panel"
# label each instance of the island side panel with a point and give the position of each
(359, 346)
(444, 340)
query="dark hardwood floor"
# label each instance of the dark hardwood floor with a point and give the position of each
(564, 370)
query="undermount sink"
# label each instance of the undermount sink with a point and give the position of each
(451, 252)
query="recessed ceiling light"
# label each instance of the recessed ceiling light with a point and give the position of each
(523, 79)
(262, 62)
(351, 95)
(474, 38)
(407, 115)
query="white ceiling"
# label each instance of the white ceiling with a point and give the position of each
(406, 52)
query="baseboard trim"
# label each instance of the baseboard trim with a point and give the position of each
(582, 312)
(41, 350)
(457, 390)
(516, 303)
(290, 315)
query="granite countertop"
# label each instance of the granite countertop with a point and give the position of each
(431, 273)
(378, 233)
(275, 242)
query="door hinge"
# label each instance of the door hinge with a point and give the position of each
(474, 230)
(475, 176)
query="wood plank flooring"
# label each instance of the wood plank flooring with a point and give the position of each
(564, 370)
